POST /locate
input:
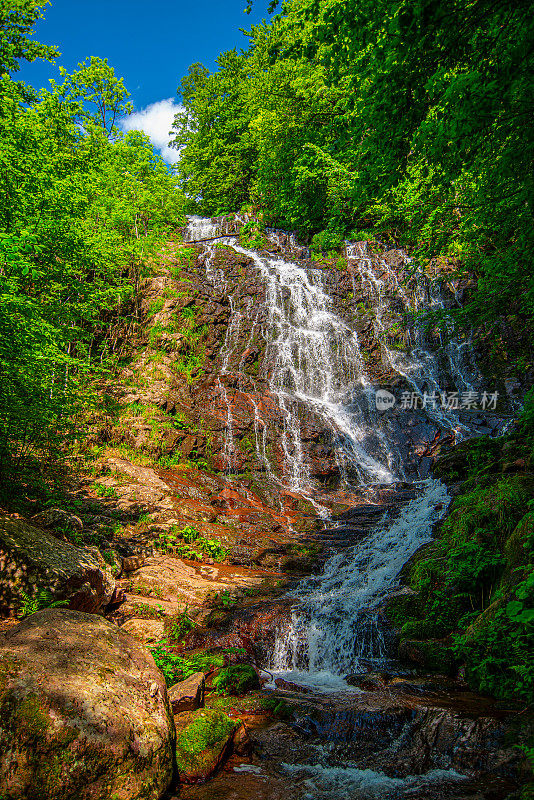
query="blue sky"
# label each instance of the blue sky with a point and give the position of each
(150, 43)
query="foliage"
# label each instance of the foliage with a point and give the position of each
(43, 598)
(83, 205)
(17, 18)
(169, 541)
(177, 668)
(236, 679)
(402, 119)
(182, 625)
(475, 584)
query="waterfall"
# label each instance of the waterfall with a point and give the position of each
(420, 365)
(334, 627)
(314, 364)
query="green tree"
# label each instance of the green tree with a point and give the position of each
(81, 208)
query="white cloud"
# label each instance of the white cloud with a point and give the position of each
(156, 121)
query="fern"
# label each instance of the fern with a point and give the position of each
(42, 599)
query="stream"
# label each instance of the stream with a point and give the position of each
(409, 738)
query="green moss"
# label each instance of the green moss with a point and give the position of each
(202, 739)
(236, 680)
(29, 718)
(420, 629)
(403, 608)
(432, 655)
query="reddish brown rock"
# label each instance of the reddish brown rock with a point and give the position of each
(188, 695)
(84, 712)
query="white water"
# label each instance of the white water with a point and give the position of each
(313, 363)
(336, 783)
(334, 625)
(426, 371)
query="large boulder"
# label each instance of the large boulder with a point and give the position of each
(84, 712)
(33, 561)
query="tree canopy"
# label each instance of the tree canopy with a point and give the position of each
(410, 120)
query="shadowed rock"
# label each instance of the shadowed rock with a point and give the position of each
(188, 695)
(33, 559)
(84, 712)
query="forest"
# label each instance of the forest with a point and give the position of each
(410, 121)
(82, 207)
(252, 580)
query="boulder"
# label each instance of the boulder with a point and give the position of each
(56, 517)
(84, 712)
(188, 695)
(204, 740)
(33, 561)
(145, 630)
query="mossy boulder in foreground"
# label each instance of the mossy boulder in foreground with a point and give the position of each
(204, 740)
(84, 712)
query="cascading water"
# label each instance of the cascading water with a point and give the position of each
(313, 363)
(422, 367)
(334, 626)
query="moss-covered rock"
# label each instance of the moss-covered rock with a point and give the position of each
(204, 740)
(433, 654)
(517, 550)
(402, 608)
(33, 559)
(485, 619)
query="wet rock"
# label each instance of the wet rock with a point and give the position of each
(368, 681)
(188, 695)
(242, 743)
(84, 712)
(204, 740)
(31, 559)
(289, 686)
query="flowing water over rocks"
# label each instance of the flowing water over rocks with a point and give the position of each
(304, 359)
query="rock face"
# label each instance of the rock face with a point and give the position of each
(32, 559)
(84, 712)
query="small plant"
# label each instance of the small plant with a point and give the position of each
(224, 599)
(177, 668)
(105, 491)
(168, 662)
(183, 625)
(169, 542)
(42, 599)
